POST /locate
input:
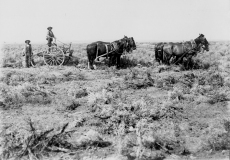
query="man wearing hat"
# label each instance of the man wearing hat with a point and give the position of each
(27, 52)
(50, 36)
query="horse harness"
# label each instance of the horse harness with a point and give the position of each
(193, 44)
(114, 48)
(188, 50)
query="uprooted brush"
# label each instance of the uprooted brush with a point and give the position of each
(38, 145)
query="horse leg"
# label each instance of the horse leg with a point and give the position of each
(90, 61)
(190, 63)
(110, 60)
(177, 60)
(118, 57)
(164, 58)
(90, 64)
(167, 59)
(167, 54)
(114, 59)
(157, 58)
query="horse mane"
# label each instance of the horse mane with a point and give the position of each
(206, 41)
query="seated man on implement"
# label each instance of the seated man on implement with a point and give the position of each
(50, 36)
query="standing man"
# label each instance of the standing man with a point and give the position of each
(27, 52)
(50, 36)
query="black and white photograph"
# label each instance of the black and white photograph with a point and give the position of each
(114, 79)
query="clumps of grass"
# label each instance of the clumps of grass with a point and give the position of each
(168, 82)
(163, 68)
(75, 76)
(217, 97)
(138, 80)
(218, 142)
(74, 105)
(212, 78)
(216, 80)
(14, 78)
(176, 94)
(199, 64)
(71, 61)
(81, 93)
(14, 97)
(128, 62)
(75, 92)
(12, 56)
(188, 79)
(126, 117)
(217, 138)
(102, 97)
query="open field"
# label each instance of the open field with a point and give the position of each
(143, 111)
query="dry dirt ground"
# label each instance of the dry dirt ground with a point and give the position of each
(146, 111)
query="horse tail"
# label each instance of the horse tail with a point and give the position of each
(90, 54)
(156, 49)
(97, 51)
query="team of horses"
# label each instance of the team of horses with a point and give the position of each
(112, 51)
(181, 53)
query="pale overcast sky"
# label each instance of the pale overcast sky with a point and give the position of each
(109, 20)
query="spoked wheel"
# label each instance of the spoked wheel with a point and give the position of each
(37, 60)
(54, 56)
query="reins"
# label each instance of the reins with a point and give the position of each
(61, 42)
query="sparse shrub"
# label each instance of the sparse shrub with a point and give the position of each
(127, 62)
(171, 110)
(159, 83)
(199, 64)
(25, 93)
(73, 106)
(222, 53)
(168, 82)
(176, 94)
(219, 143)
(217, 97)
(81, 93)
(206, 65)
(216, 80)
(138, 80)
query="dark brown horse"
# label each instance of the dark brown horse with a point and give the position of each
(113, 50)
(115, 58)
(186, 49)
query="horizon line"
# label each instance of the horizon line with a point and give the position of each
(88, 41)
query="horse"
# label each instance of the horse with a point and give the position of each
(187, 60)
(185, 49)
(112, 50)
(115, 58)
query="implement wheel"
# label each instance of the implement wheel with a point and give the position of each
(54, 56)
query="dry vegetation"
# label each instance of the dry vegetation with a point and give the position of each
(143, 111)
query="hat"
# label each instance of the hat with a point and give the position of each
(201, 35)
(49, 27)
(27, 41)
